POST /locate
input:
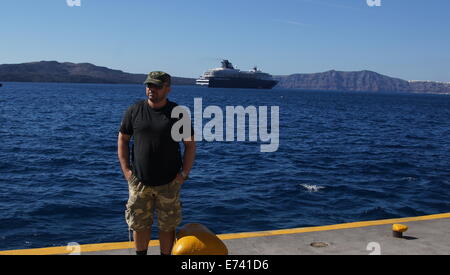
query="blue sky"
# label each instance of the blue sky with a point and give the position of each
(409, 39)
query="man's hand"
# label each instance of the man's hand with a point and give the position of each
(123, 152)
(128, 174)
(188, 158)
(180, 179)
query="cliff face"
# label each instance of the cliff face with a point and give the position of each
(429, 87)
(358, 81)
(52, 71)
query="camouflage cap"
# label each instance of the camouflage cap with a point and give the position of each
(158, 78)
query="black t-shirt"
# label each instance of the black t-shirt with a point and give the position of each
(155, 156)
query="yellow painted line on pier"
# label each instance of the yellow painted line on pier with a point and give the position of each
(331, 227)
(130, 245)
(83, 248)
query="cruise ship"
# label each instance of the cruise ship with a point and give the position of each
(229, 77)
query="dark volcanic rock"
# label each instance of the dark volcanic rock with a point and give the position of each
(358, 81)
(52, 71)
(344, 81)
(429, 87)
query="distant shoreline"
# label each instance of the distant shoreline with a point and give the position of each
(86, 73)
(200, 87)
(82, 83)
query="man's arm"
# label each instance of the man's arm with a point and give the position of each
(189, 157)
(123, 151)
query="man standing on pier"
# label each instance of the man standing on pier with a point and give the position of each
(157, 169)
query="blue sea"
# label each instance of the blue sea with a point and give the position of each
(343, 157)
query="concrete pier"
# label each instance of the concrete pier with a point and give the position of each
(426, 235)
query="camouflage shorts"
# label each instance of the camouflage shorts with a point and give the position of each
(145, 200)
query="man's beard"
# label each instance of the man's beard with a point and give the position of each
(155, 99)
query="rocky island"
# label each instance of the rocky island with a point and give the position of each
(359, 81)
(52, 71)
(368, 81)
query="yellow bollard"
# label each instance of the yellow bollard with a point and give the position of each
(398, 230)
(197, 239)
